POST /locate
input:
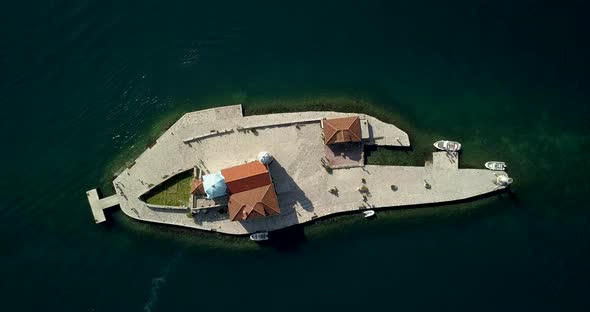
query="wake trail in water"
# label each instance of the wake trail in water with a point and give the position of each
(159, 281)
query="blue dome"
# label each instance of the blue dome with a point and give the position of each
(214, 185)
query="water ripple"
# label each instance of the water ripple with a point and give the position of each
(159, 281)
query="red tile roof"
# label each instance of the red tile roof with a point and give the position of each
(245, 177)
(254, 203)
(340, 130)
(197, 187)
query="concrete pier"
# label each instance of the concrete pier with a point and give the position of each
(98, 205)
(302, 184)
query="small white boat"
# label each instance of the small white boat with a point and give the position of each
(503, 180)
(496, 165)
(260, 236)
(449, 146)
(368, 213)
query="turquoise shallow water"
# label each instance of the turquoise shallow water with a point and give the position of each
(87, 85)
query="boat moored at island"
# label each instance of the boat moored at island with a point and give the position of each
(259, 237)
(503, 180)
(449, 146)
(496, 165)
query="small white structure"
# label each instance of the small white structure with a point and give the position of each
(365, 134)
(265, 158)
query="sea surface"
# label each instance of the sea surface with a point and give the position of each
(86, 85)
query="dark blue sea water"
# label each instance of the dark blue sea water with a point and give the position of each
(86, 85)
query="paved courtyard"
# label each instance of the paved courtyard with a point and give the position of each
(345, 155)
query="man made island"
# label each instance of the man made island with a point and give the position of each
(268, 172)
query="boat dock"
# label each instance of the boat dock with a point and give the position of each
(98, 205)
(226, 138)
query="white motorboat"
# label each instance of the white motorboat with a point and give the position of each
(368, 213)
(496, 165)
(260, 236)
(503, 180)
(449, 146)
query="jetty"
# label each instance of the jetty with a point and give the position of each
(98, 205)
(314, 176)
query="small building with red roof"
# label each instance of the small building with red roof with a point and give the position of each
(342, 130)
(197, 187)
